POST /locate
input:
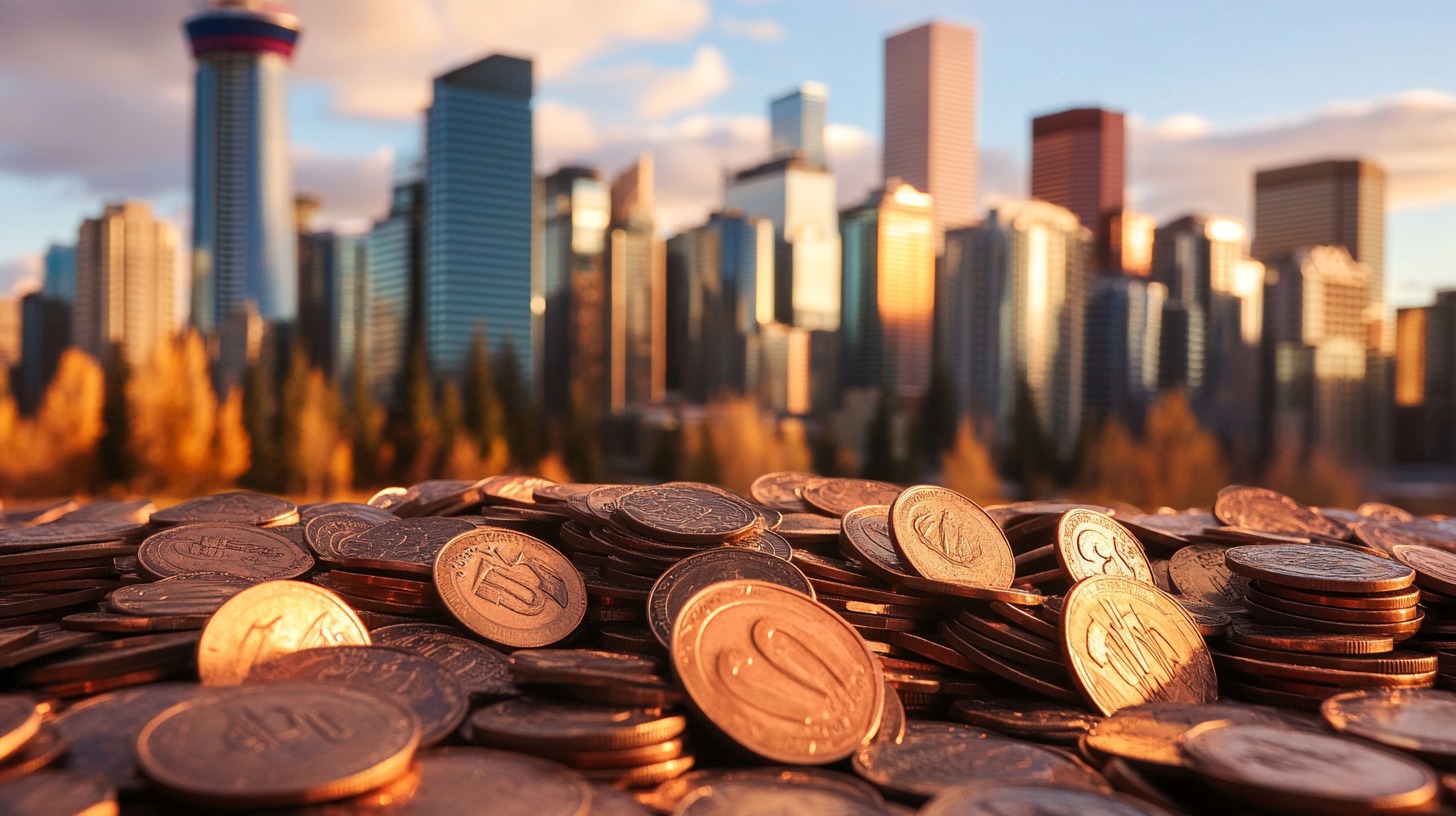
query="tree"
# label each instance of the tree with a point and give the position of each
(258, 397)
(1312, 476)
(936, 428)
(582, 450)
(417, 430)
(364, 420)
(116, 466)
(1177, 463)
(880, 461)
(1031, 459)
(67, 428)
(182, 440)
(322, 463)
(481, 402)
(287, 422)
(968, 468)
(520, 417)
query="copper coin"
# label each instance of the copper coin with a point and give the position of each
(555, 661)
(934, 756)
(55, 556)
(758, 797)
(510, 588)
(466, 781)
(51, 793)
(1316, 567)
(953, 589)
(777, 672)
(1417, 721)
(102, 730)
(20, 719)
(1199, 572)
(47, 642)
(1435, 568)
(1290, 771)
(1400, 630)
(1051, 685)
(426, 686)
(684, 579)
(947, 537)
(836, 497)
(512, 489)
(781, 491)
(326, 534)
(669, 796)
(689, 515)
(63, 534)
(40, 751)
(480, 669)
(1022, 715)
(808, 527)
(276, 744)
(188, 594)
(407, 546)
(114, 657)
(233, 549)
(1089, 543)
(1128, 643)
(229, 508)
(14, 637)
(1266, 510)
(1333, 613)
(865, 537)
(538, 725)
(388, 498)
(1396, 662)
(132, 624)
(1042, 800)
(1149, 733)
(1296, 639)
(269, 620)
(1395, 599)
(1380, 511)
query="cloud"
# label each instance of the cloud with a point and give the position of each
(762, 30)
(20, 276)
(1182, 163)
(353, 190)
(666, 91)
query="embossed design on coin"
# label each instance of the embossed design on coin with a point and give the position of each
(1089, 543)
(1258, 508)
(229, 508)
(685, 514)
(782, 491)
(839, 496)
(1128, 642)
(777, 672)
(510, 588)
(326, 533)
(1419, 721)
(683, 580)
(480, 669)
(1313, 566)
(1287, 771)
(232, 549)
(946, 536)
(279, 743)
(1435, 568)
(188, 594)
(1199, 572)
(269, 620)
(424, 685)
(865, 536)
(407, 545)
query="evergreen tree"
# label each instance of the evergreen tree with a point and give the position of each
(482, 403)
(115, 466)
(451, 418)
(288, 423)
(880, 461)
(258, 398)
(521, 418)
(364, 423)
(936, 425)
(417, 426)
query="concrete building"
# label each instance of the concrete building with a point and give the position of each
(1078, 161)
(126, 263)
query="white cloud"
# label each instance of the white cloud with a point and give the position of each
(667, 91)
(1183, 164)
(21, 276)
(763, 29)
(352, 190)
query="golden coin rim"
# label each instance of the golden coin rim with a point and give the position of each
(216, 647)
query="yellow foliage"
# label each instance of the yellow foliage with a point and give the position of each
(465, 461)
(1314, 478)
(1177, 463)
(968, 469)
(554, 468)
(750, 442)
(321, 469)
(54, 453)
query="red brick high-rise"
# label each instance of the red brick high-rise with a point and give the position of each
(1078, 162)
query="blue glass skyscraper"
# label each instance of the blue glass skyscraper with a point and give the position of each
(479, 190)
(243, 240)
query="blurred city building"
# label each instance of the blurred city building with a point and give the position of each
(796, 124)
(577, 211)
(1078, 161)
(636, 292)
(126, 261)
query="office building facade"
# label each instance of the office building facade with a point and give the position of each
(636, 293)
(577, 213)
(1078, 160)
(125, 271)
(796, 123)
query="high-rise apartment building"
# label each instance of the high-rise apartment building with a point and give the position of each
(60, 273)
(479, 188)
(45, 332)
(930, 118)
(574, 232)
(331, 283)
(243, 239)
(1326, 203)
(1077, 161)
(887, 331)
(636, 293)
(797, 121)
(125, 267)
(1124, 326)
(1015, 290)
(1439, 389)
(394, 280)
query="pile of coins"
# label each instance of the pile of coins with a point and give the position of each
(514, 645)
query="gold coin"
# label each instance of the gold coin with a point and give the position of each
(510, 588)
(778, 672)
(272, 619)
(1128, 643)
(1089, 543)
(947, 537)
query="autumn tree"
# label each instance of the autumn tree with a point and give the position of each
(115, 463)
(322, 461)
(364, 420)
(968, 468)
(481, 402)
(1312, 475)
(54, 453)
(1176, 463)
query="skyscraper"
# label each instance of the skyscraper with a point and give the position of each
(394, 280)
(577, 211)
(1124, 329)
(797, 122)
(1326, 203)
(332, 291)
(125, 261)
(45, 332)
(887, 331)
(243, 239)
(636, 291)
(60, 273)
(930, 118)
(1077, 162)
(479, 185)
(1016, 291)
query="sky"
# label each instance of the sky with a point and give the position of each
(96, 99)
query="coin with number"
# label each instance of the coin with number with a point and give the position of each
(1127, 642)
(510, 588)
(1089, 543)
(947, 537)
(272, 619)
(778, 672)
(1288, 771)
(277, 744)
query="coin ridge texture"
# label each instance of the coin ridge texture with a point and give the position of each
(1319, 567)
(779, 673)
(946, 536)
(271, 619)
(275, 744)
(509, 587)
(1127, 643)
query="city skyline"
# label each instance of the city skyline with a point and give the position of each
(722, 124)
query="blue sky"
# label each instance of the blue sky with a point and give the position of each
(96, 97)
